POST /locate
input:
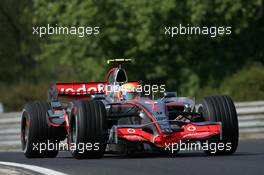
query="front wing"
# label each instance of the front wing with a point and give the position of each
(190, 131)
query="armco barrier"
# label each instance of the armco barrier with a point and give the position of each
(10, 131)
(250, 117)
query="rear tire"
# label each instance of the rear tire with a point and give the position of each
(88, 129)
(35, 131)
(221, 109)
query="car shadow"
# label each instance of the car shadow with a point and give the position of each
(159, 155)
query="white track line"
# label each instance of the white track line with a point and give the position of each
(34, 168)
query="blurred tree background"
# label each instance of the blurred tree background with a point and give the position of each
(193, 65)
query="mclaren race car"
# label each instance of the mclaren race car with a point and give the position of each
(96, 118)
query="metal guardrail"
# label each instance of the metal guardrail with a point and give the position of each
(250, 117)
(1, 107)
(10, 131)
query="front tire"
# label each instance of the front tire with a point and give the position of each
(221, 109)
(88, 130)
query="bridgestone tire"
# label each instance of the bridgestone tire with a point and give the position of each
(222, 109)
(88, 132)
(36, 135)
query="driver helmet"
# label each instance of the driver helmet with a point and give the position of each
(129, 91)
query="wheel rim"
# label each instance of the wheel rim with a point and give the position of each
(25, 130)
(74, 130)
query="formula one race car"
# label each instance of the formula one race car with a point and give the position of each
(114, 117)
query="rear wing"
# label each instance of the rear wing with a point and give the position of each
(78, 90)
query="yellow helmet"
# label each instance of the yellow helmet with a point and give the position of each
(129, 90)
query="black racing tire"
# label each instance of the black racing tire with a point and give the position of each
(221, 109)
(88, 129)
(35, 132)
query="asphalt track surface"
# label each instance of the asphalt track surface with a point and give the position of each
(249, 159)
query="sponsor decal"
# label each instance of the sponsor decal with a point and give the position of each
(81, 89)
(197, 134)
(131, 131)
(191, 128)
(133, 137)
